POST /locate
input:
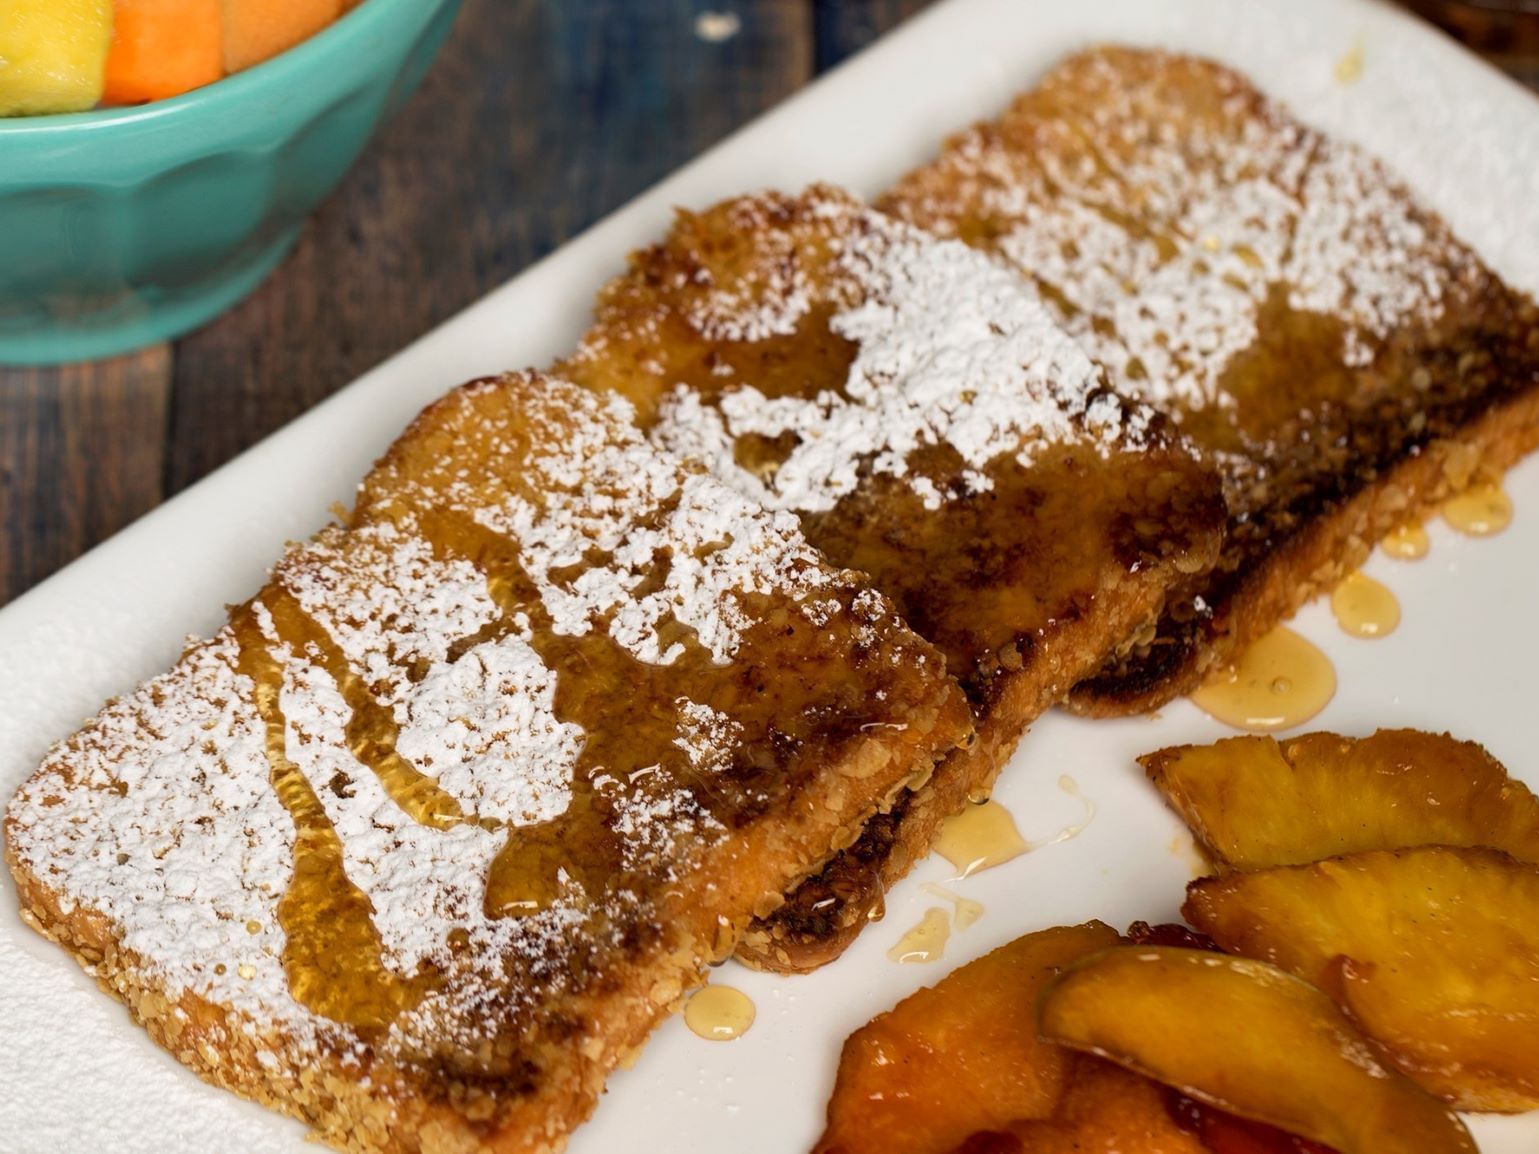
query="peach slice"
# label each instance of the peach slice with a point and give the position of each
(1434, 952)
(1250, 1039)
(1253, 802)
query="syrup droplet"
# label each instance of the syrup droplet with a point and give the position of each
(1479, 511)
(719, 1013)
(966, 912)
(979, 838)
(1365, 607)
(1281, 681)
(1070, 787)
(926, 942)
(1408, 542)
(1184, 847)
(1349, 67)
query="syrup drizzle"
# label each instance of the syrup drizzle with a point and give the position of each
(1281, 681)
(372, 731)
(579, 845)
(1408, 542)
(1364, 607)
(719, 1013)
(925, 942)
(981, 837)
(627, 708)
(965, 911)
(1069, 832)
(1480, 511)
(333, 955)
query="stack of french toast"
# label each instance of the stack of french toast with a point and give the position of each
(686, 646)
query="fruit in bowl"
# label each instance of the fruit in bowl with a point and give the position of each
(72, 55)
(124, 226)
(53, 54)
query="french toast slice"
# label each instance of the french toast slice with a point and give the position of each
(448, 816)
(1329, 345)
(932, 427)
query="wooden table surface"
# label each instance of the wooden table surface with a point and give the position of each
(539, 118)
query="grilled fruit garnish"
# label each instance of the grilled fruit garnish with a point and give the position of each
(1434, 952)
(960, 1057)
(1250, 1039)
(1223, 1133)
(1253, 802)
(1104, 1108)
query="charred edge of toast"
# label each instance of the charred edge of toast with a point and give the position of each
(1399, 469)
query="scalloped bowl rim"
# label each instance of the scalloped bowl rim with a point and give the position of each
(232, 88)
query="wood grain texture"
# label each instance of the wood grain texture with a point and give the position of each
(82, 452)
(538, 119)
(842, 28)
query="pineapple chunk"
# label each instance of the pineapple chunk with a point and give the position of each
(957, 1058)
(1434, 952)
(53, 54)
(1104, 1108)
(1252, 802)
(1250, 1039)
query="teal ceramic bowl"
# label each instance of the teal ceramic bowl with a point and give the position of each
(123, 227)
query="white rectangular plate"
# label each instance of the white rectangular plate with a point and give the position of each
(75, 1074)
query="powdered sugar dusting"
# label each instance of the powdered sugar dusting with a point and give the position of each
(950, 350)
(599, 514)
(389, 603)
(162, 814)
(1159, 236)
(422, 882)
(706, 735)
(485, 727)
(710, 558)
(1363, 252)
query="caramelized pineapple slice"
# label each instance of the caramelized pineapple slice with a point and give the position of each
(959, 1057)
(1223, 1133)
(1434, 952)
(1252, 802)
(1250, 1039)
(1104, 1108)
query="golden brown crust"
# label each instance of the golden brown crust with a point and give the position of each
(808, 932)
(1315, 560)
(1342, 359)
(777, 311)
(830, 707)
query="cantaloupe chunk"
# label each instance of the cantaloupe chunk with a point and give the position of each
(162, 48)
(52, 54)
(255, 30)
